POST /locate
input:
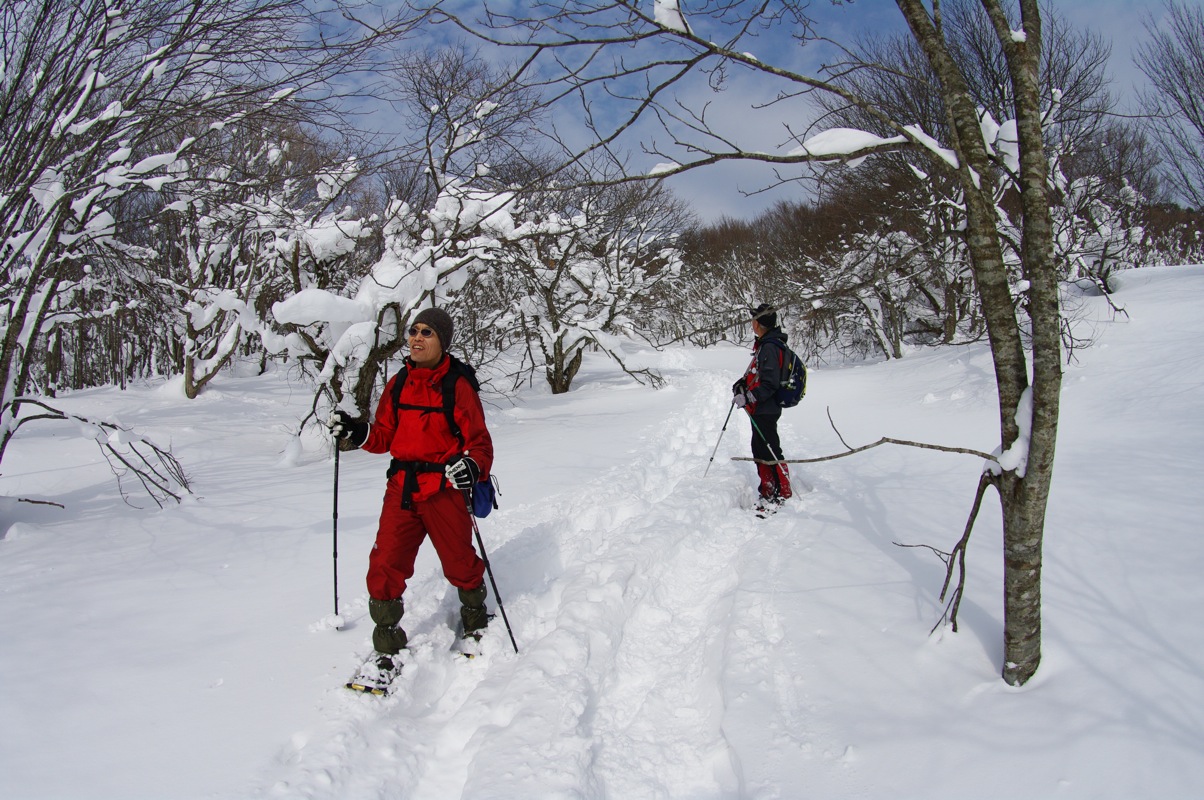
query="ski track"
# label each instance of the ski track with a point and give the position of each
(613, 590)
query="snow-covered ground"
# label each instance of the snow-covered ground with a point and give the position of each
(671, 644)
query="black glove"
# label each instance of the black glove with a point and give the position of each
(462, 473)
(347, 429)
(740, 394)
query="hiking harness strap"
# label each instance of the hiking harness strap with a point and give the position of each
(409, 484)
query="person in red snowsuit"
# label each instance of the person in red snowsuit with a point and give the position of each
(428, 477)
(755, 393)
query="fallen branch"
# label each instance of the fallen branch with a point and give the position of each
(159, 472)
(40, 502)
(884, 440)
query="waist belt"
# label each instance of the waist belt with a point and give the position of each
(409, 484)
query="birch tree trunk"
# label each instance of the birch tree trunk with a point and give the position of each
(1023, 490)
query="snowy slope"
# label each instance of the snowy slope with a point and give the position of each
(672, 645)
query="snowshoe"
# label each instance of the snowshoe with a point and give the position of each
(768, 506)
(469, 644)
(376, 674)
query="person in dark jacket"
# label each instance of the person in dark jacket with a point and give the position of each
(425, 495)
(755, 394)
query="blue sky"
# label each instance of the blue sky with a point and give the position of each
(724, 190)
(732, 189)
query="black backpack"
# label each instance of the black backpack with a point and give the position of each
(794, 377)
(484, 494)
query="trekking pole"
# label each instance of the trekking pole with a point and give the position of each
(488, 569)
(336, 527)
(757, 428)
(768, 446)
(730, 409)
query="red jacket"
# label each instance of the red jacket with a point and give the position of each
(418, 435)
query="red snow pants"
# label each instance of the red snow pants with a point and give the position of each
(444, 517)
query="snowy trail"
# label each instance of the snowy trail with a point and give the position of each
(626, 627)
(673, 646)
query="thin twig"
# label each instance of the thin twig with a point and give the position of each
(40, 502)
(956, 559)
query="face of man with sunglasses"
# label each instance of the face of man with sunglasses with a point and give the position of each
(425, 348)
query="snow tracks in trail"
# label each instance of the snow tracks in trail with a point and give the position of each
(622, 595)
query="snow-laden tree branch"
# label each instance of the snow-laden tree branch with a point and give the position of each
(584, 269)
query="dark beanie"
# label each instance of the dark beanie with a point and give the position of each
(766, 314)
(439, 321)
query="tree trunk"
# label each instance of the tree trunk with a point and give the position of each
(54, 362)
(1024, 490)
(563, 368)
(1023, 501)
(1023, 544)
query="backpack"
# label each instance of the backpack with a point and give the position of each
(794, 377)
(484, 493)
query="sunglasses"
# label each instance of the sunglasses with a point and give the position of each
(425, 333)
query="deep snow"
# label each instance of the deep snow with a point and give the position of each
(672, 645)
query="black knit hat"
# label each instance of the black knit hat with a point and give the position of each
(440, 322)
(766, 314)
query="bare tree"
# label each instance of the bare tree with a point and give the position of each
(446, 213)
(1173, 61)
(96, 104)
(926, 201)
(465, 124)
(586, 270)
(626, 68)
